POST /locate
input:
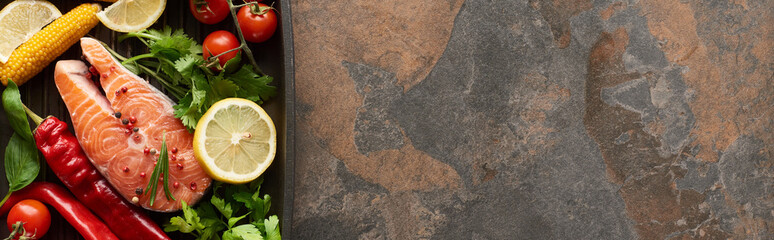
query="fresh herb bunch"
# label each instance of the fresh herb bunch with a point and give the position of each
(176, 62)
(243, 216)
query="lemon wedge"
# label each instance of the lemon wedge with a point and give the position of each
(131, 15)
(22, 19)
(235, 141)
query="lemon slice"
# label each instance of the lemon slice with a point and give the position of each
(22, 19)
(131, 15)
(235, 141)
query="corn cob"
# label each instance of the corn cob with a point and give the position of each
(46, 45)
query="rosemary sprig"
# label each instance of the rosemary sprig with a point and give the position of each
(162, 167)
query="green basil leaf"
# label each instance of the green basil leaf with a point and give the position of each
(15, 110)
(22, 162)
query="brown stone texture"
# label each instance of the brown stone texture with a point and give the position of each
(379, 33)
(534, 119)
(558, 13)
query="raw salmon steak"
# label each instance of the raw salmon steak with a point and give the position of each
(121, 131)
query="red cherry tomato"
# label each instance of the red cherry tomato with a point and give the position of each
(218, 42)
(209, 11)
(257, 27)
(34, 214)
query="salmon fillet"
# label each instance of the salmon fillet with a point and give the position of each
(123, 156)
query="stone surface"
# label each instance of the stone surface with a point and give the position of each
(534, 119)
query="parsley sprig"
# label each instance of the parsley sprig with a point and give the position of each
(244, 216)
(175, 61)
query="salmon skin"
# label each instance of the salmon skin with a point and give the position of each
(124, 147)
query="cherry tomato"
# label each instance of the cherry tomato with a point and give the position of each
(209, 11)
(218, 42)
(257, 27)
(34, 214)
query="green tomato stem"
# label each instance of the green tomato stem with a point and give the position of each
(212, 59)
(242, 5)
(244, 47)
(17, 229)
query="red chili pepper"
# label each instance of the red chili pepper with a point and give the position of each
(68, 161)
(80, 217)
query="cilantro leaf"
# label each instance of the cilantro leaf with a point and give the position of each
(188, 109)
(247, 232)
(223, 207)
(259, 206)
(178, 224)
(211, 221)
(186, 66)
(209, 234)
(228, 235)
(158, 34)
(234, 220)
(190, 120)
(272, 228)
(251, 85)
(221, 217)
(236, 189)
(223, 88)
(188, 223)
(255, 185)
(244, 197)
(183, 106)
(199, 83)
(190, 215)
(197, 100)
(171, 45)
(170, 71)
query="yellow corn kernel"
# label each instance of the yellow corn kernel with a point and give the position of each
(49, 43)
